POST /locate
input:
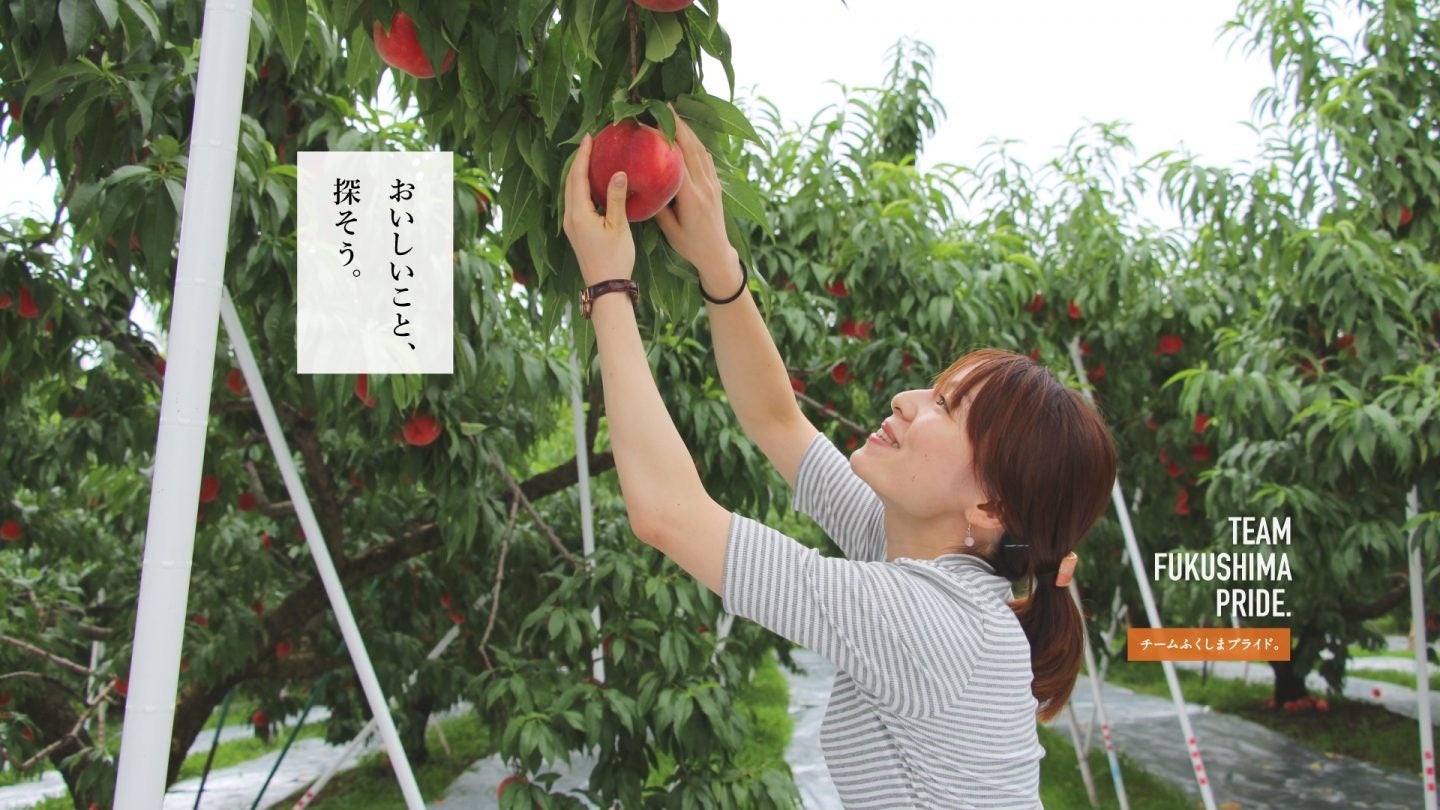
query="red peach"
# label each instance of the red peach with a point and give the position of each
(651, 162)
(27, 304)
(362, 390)
(422, 429)
(400, 48)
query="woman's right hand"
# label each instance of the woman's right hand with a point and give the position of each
(695, 226)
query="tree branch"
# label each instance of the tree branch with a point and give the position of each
(324, 496)
(833, 414)
(535, 516)
(1379, 606)
(64, 663)
(40, 676)
(499, 578)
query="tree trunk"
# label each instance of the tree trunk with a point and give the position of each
(53, 712)
(192, 710)
(1289, 683)
(412, 736)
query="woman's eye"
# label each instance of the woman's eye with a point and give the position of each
(940, 400)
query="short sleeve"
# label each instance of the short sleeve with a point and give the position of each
(846, 507)
(906, 643)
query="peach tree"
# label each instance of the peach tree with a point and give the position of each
(445, 501)
(1321, 375)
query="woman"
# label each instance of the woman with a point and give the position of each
(989, 478)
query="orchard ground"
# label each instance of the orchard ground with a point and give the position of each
(1252, 765)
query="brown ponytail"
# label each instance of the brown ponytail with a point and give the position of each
(1047, 463)
(1056, 632)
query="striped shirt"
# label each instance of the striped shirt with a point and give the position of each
(931, 705)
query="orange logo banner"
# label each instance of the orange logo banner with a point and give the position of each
(1209, 644)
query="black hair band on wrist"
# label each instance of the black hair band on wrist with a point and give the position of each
(744, 284)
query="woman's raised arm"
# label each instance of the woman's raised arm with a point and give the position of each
(751, 369)
(667, 504)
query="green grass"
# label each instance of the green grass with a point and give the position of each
(372, 783)
(1063, 788)
(244, 749)
(768, 695)
(239, 712)
(1395, 676)
(1356, 651)
(9, 776)
(1354, 728)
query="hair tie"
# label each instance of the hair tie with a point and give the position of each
(1064, 572)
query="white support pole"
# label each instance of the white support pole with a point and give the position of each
(1422, 666)
(97, 652)
(184, 410)
(1080, 757)
(1132, 547)
(309, 795)
(324, 565)
(587, 513)
(1091, 672)
(334, 767)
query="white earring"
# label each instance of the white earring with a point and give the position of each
(969, 538)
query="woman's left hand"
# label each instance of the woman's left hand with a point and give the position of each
(602, 244)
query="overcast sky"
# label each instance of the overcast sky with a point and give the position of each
(1033, 70)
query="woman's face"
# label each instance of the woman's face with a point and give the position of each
(920, 460)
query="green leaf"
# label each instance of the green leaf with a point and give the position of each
(77, 21)
(520, 200)
(716, 114)
(177, 194)
(552, 89)
(530, 17)
(289, 18)
(52, 80)
(716, 42)
(157, 235)
(141, 101)
(662, 36)
(584, 27)
(143, 16)
(660, 111)
(343, 15)
(127, 173)
(362, 64)
(109, 12)
(743, 199)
